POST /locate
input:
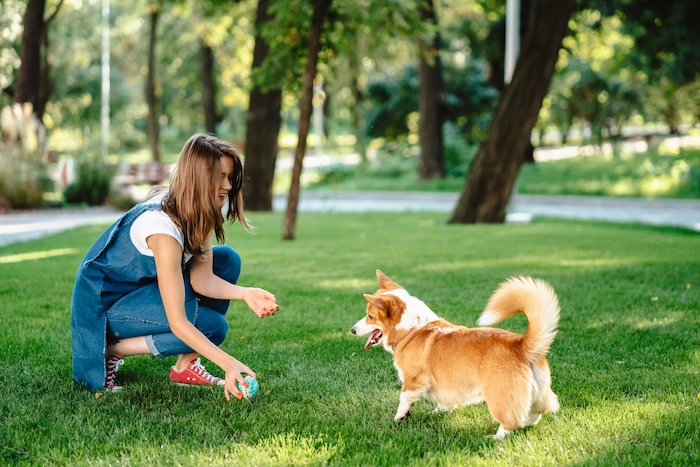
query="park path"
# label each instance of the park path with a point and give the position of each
(23, 226)
(663, 212)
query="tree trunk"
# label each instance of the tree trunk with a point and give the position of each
(305, 108)
(358, 123)
(47, 86)
(358, 120)
(151, 98)
(29, 79)
(495, 167)
(431, 163)
(670, 116)
(206, 61)
(262, 129)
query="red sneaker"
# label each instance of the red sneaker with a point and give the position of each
(195, 373)
(112, 366)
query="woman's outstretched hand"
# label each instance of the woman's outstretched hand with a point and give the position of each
(262, 302)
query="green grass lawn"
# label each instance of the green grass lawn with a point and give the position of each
(625, 362)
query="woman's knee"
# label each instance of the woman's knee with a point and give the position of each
(227, 263)
(213, 325)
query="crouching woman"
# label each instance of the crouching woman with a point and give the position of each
(153, 283)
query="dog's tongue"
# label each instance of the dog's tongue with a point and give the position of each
(373, 338)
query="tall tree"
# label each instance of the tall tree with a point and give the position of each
(29, 80)
(494, 169)
(34, 80)
(206, 61)
(262, 126)
(209, 27)
(432, 98)
(305, 108)
(151, 96)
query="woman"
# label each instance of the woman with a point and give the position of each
(153, 282)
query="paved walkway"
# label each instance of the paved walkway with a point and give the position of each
(23, 226)
(678, 213)
(30, 225)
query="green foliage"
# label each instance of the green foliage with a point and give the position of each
(601, 100)
(394, 168)
(393, 99)
(123, 202)
(333, 174)
(459, 152)
(23, 170)
(395, 162)
(25, 195)
(347, 21)
(23, 179)
(93, 184)
(468, 102)
(694, 180)
(612, 68)
(664, 34)
(636, 175)
(624, 361)
(11, 27)
(650, 175)
(622, 62)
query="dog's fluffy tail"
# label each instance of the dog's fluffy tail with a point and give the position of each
(537, 300)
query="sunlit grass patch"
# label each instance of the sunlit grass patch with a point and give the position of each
(640, 175)
(34, 255)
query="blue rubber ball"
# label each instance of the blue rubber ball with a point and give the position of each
(252, 388)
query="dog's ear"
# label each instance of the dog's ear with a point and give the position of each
(385, 283)
(381, 302)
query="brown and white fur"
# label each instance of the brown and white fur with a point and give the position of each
(455, 365)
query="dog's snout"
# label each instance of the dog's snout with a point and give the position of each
(353, 330)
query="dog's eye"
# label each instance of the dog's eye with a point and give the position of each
(370, 318)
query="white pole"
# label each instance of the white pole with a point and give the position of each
(512, 38)
(104, 115)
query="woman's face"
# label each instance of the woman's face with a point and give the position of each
(225, 184)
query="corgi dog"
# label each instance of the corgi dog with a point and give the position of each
(455, 365)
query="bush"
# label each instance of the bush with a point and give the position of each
(92, 186)
(23, 172)
(23, 180)
(26, 195)
(694, 179)
(395, 166)
(458, 152)
(395, 159)
(335, 173)
(123, 202)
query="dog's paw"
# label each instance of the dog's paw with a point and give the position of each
(399, 418)
(501, 433)
(441, 409)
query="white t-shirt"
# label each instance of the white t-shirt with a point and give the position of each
(155, 221)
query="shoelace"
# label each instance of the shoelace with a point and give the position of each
(112, 368)
(197, 368)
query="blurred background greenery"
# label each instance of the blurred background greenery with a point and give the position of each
(620, 116)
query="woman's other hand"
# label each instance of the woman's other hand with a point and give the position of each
(262, 302)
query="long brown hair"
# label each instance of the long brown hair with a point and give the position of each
(192, 199)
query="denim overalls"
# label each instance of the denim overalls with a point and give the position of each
(116, 295)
